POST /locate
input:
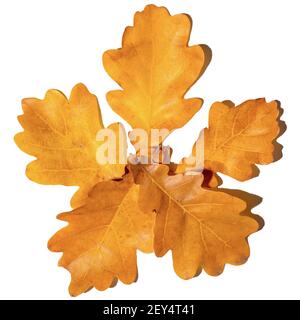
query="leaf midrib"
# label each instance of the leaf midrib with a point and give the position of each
(109, 227)
(200, 221)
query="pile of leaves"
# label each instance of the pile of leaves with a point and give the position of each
(124, 207)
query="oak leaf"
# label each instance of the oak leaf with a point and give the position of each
(155, 67)
(61, 134)
(99, 244)
(238, 137)
(203, 227)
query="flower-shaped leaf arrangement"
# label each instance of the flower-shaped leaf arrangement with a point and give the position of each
(128, 204)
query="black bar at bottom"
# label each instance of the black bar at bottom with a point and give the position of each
(129, 309)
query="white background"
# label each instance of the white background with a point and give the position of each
(55, 44)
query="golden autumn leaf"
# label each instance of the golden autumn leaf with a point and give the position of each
(155, 67)
(145, 201)
(99, 244)
(61, 134)
(240, 137)
(204, 228)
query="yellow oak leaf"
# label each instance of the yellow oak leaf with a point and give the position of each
(100, 242)
(238, 137)
(156, 67)
(61, 134)
(204, 228)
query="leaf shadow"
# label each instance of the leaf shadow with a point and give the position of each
(252, 200)
(282, 128)
(207, 57)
